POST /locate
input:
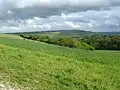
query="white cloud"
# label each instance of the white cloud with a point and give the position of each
(104, 20)
(6, 5)
(58, 3)
(72, 25)
(40, 15)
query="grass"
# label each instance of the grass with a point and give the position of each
(41, 66)
(9, 36)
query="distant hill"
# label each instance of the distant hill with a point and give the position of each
(108, 33)
(71, 33)
(62, 31)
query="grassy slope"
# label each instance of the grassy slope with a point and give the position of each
(43, 66)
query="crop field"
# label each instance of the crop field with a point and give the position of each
(31, 65)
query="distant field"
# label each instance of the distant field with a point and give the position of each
(39, 66)
(9, 36)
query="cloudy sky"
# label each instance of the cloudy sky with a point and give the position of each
(41, 15)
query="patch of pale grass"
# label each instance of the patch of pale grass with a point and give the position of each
(10, 36)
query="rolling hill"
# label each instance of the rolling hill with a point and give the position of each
(31, 65)
(71, 33)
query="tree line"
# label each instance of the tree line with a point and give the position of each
(62, 41)
(98, 42)
(103, 42)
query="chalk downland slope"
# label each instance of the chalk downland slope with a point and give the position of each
(41, 66)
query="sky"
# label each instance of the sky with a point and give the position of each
(44, 15)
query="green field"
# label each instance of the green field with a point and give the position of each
(31, 65)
